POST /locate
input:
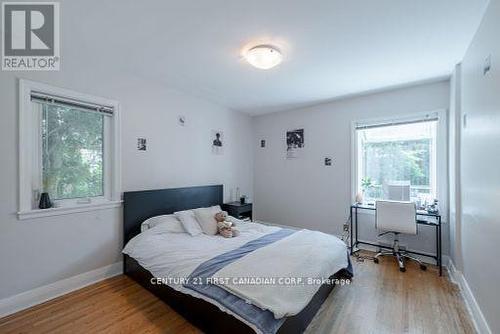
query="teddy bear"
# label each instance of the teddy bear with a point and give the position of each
(225, 227)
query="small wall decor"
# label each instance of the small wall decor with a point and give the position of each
(141, 144)
(294, 143)
(328, 161)
(181, 120)
(263, 143)
(217, 142)
(487, 65)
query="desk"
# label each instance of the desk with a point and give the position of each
(435, 222)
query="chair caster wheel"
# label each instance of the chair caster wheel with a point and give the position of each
(402, 270)
(375, 260)
(423, 267)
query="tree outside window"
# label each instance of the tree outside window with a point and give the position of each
(395, 154)
(72, 152)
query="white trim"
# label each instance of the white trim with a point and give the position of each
(44, 293)
(354, 162)
(30, 214)
(112, 150)
(401, 120)
(477, 316)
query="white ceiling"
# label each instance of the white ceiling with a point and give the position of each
(332, 48)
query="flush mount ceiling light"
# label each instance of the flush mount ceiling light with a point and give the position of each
(264, 56)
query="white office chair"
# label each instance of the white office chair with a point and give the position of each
(397, 217)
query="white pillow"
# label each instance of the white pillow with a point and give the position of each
(172, 224)
(189, 222)
(206, 219)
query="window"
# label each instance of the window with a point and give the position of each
(68, 148)
(398, 160)
(72, 151)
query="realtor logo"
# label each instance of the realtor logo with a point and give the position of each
(30, 36)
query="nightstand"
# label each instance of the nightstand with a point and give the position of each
(238, 210)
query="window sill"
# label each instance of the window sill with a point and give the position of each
(40, 213)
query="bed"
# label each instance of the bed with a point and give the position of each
(205, 311)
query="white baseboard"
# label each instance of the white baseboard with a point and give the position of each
(475, 312)
(44, 293)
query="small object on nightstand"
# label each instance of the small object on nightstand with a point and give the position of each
(238, 210)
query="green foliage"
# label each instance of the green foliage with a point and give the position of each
(366, 183)
(72, 152)
(390, 161)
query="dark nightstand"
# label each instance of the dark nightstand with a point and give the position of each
(238, 210)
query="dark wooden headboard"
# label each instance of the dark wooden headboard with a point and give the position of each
(141, 205)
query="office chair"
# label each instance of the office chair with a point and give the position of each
(397, 217)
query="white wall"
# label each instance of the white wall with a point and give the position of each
(480, 237)
(305, 193)
(37, 252)
(455, 124)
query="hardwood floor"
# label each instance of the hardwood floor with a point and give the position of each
(383, 300)
(379, 300)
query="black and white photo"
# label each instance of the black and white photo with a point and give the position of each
(294, 143)
(217, 142)
(141, 144)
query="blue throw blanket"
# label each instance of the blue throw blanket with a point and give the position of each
(199, 281)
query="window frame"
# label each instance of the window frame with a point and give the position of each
(28, 164)
(441, 150)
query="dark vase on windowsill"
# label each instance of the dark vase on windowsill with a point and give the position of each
(45, 202)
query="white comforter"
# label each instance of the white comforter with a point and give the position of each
(174, 256)
(297, 265)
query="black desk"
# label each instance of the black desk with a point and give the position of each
(435, 222)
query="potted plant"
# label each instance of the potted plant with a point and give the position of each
(45, 202)
(366, 184)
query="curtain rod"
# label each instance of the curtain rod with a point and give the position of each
(70, 102)
(382, 124)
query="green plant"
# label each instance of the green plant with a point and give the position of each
(366, 183)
